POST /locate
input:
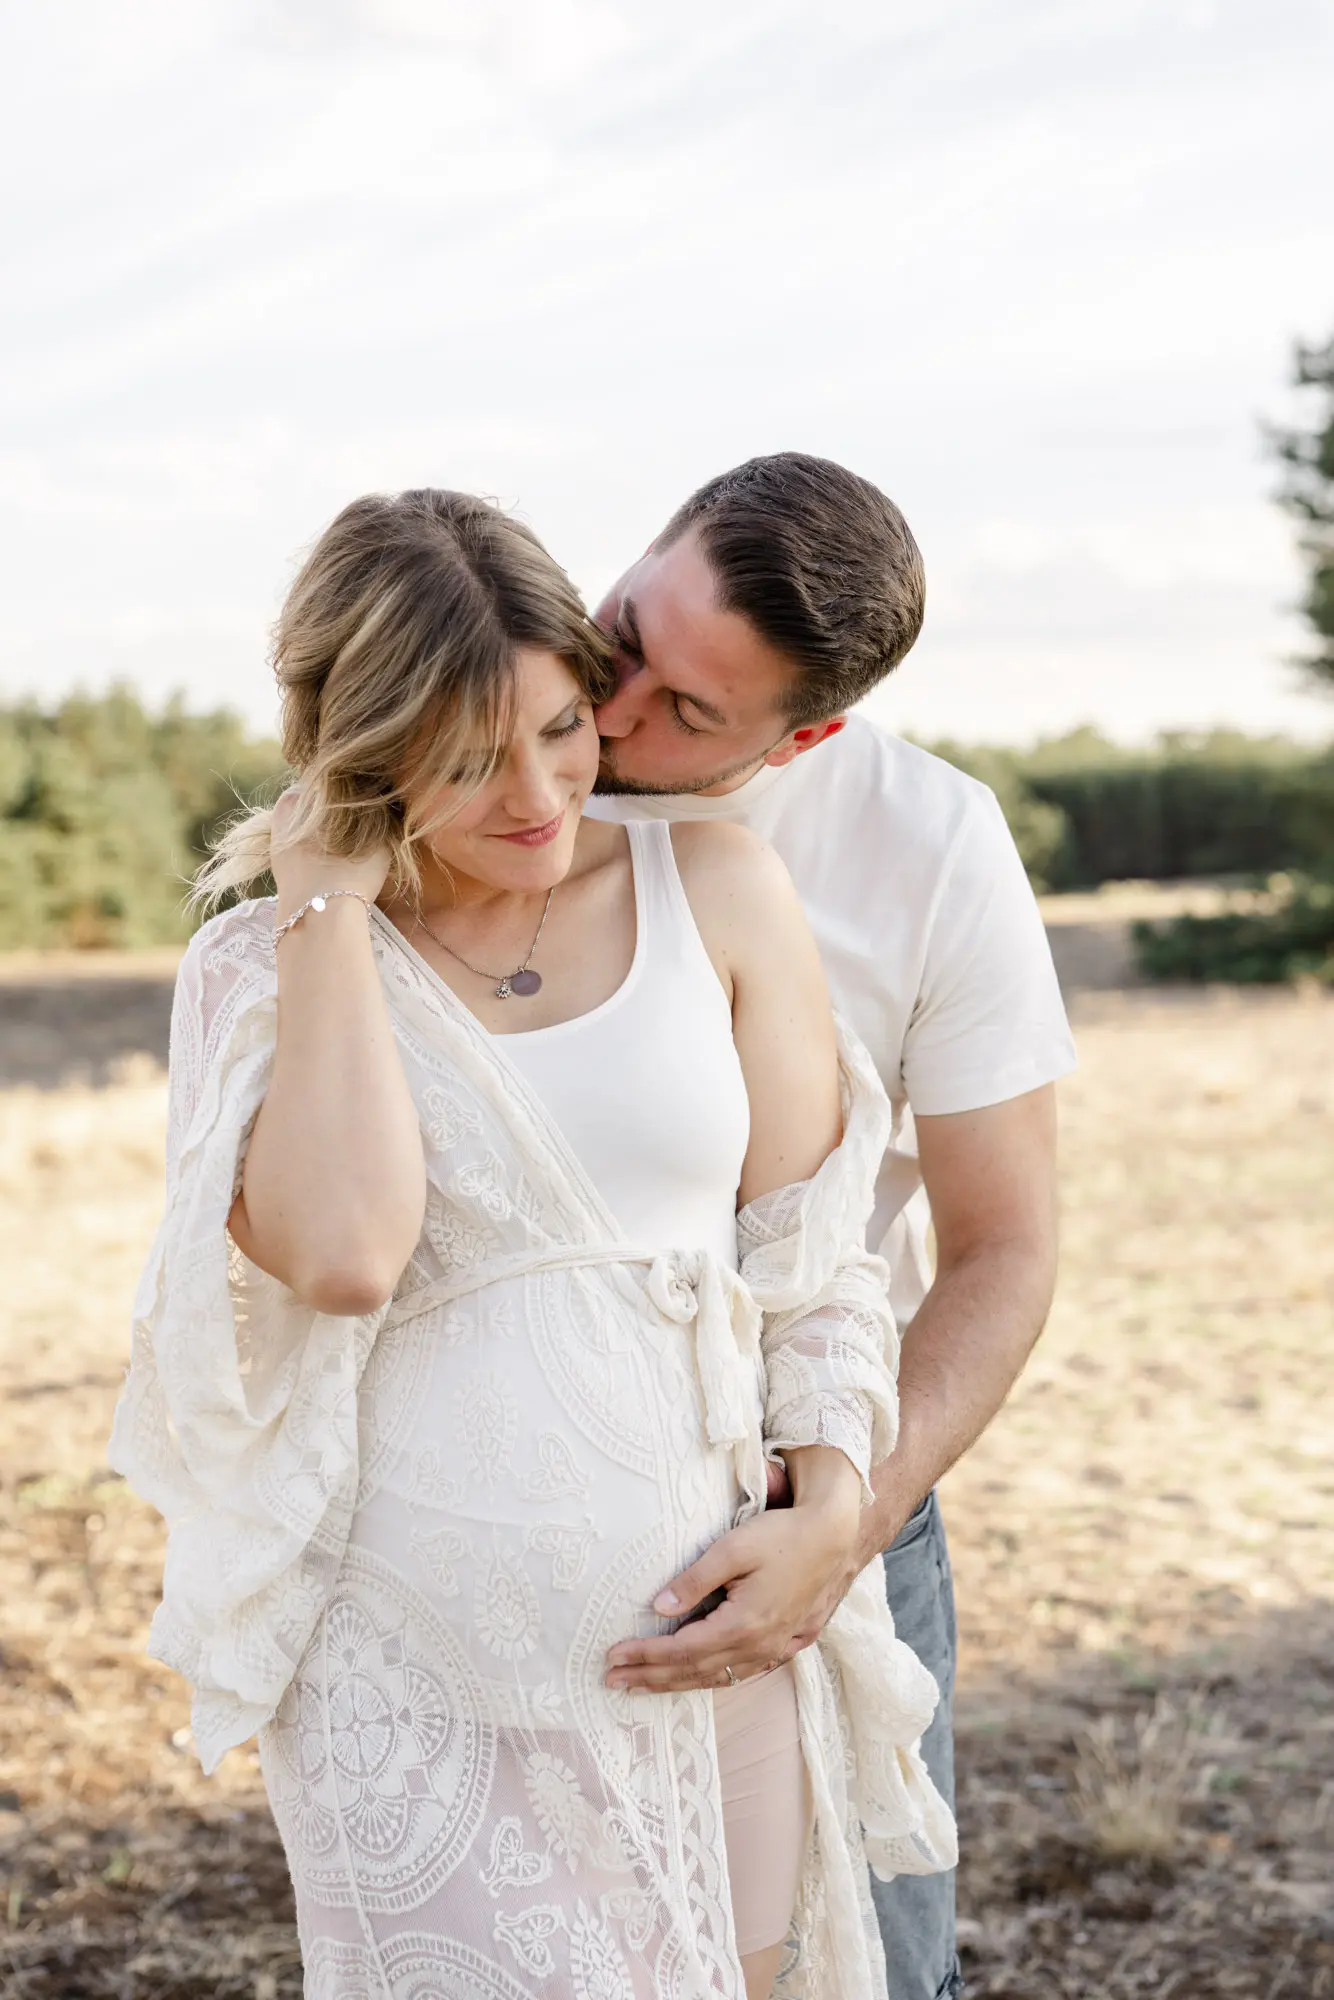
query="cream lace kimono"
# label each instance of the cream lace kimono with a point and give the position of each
(401, 1545)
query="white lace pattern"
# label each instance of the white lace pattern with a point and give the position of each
(400, 1546)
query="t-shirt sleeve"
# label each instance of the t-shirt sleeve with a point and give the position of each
(989, 1022)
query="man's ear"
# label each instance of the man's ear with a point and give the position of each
(807, 738)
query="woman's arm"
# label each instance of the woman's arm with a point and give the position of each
(334, 1185)
(775, 1567)
(756, 933)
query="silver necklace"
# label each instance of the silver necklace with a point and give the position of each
(523, 980)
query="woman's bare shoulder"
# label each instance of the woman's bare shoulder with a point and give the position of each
(739, 891)
(728, 860)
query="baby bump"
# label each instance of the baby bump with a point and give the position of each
(537, 1501)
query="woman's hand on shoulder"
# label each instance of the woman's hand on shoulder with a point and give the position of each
(302, 868)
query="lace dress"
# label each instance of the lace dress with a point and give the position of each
(416, 1622)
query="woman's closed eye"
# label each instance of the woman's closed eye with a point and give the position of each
(559, 729)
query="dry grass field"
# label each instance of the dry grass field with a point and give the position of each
(1142, 1543)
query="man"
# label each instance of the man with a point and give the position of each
(774, 599)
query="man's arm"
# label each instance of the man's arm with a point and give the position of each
(990, 1177)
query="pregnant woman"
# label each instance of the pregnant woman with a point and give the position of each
(517, 1182)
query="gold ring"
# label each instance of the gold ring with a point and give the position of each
(731, 1677)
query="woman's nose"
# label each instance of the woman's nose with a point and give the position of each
(533, 794)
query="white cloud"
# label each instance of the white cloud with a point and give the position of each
(1035, 270)
(1151, 550)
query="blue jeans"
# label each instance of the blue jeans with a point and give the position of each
(916, 1912)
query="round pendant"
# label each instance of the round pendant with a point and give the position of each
(525, 983)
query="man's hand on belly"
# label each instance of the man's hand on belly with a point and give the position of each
(784, 1574)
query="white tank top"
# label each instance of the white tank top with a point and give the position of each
(647, 1088)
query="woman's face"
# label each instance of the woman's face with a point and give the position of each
(518, 831)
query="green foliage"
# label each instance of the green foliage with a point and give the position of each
(1290, 941)
(1307, 456)
(105, 809)
(1085, 810)
(1040, 829)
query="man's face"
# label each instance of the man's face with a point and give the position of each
(702, 699)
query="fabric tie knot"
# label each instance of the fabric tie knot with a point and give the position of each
(673, 1279)
(691, 1286)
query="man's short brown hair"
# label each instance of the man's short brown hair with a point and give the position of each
(823, 565)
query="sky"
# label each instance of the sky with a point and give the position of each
(1035, 269)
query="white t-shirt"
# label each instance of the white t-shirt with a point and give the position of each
(930, 936)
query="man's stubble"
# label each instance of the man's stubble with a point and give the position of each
(608, 786)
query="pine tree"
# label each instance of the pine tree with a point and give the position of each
(1308, 494)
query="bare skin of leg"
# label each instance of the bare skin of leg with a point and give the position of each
(760, 1969)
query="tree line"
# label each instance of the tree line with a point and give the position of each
(107, 807)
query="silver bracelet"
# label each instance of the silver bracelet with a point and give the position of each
(318, 903)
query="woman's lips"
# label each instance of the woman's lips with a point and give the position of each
(536, 836)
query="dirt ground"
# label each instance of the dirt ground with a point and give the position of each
(1142, 1542)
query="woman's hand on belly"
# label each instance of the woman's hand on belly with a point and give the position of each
(784, 1575)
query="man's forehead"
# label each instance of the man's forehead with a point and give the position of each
(688, 640)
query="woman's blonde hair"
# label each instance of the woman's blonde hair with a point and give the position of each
(395, 653)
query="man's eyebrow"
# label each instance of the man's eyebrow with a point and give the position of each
(625, 615)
